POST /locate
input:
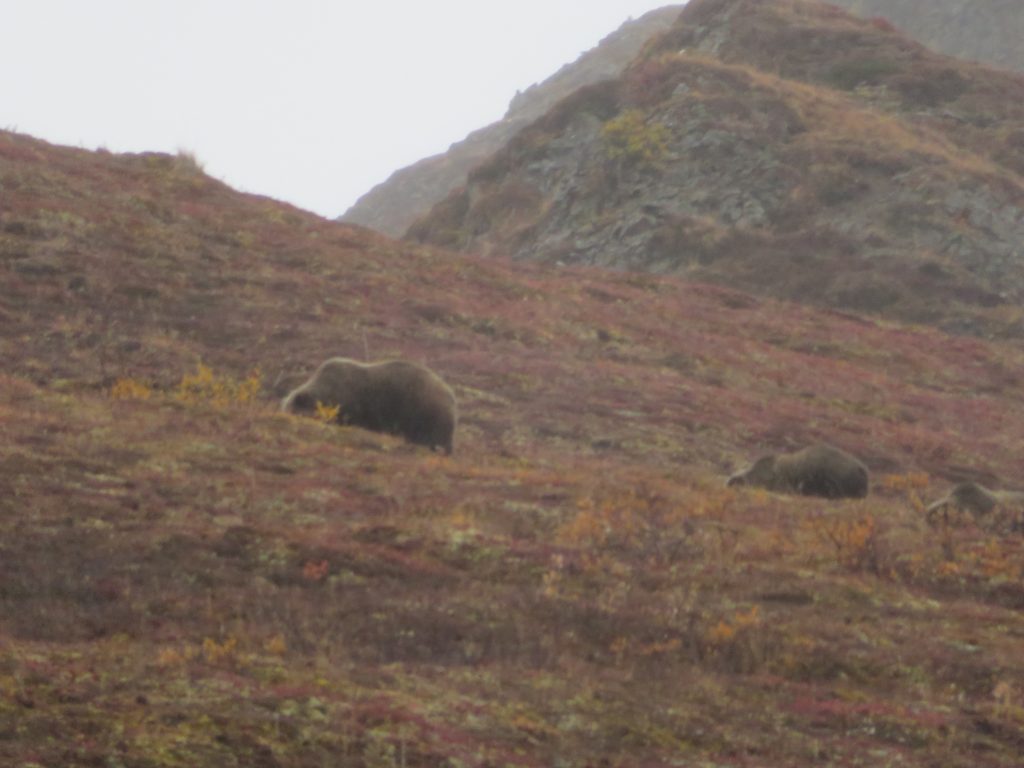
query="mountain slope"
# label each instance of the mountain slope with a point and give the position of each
(410, 192)
(188, 578)
(983, 30)
(783, 147)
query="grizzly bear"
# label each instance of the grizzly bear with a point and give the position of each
(393, 396)
(818, 470)
(975, 499)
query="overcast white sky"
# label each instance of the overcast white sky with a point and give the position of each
(309, 101)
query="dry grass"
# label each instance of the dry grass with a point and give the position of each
(247, 584)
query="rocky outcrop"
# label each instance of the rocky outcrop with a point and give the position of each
(781, 146)
(410, 192)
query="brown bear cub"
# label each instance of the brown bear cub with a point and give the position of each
(818, 470)
(393, 396)
(975, 499)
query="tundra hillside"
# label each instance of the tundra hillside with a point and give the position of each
(782, 147)
(190, 578)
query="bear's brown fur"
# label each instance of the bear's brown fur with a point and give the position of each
(818, 470)
(975, 499)
(392, 396)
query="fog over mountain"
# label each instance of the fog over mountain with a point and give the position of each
(407, 194)
(989, 31)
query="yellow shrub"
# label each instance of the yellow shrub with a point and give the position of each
(276, 645)
(649, 521)
(327, 413)
(917, 481)
(855, 541)
(130, 389)
(633, 138)
(740, 622)
(739, 642)
(216, 653)
(204, 386)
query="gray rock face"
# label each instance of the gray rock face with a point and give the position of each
(882, 178)
(392, 206)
